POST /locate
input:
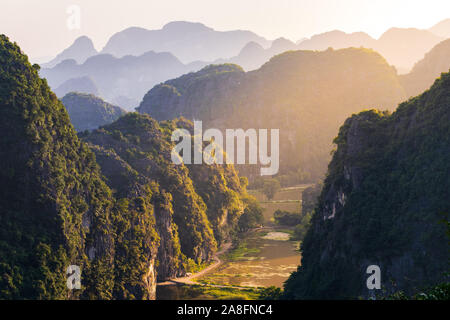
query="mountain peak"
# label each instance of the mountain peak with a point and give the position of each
(81, 49)
(282, 44)
(251, 48)
(84, 40)
(441, 29)
(186, 26)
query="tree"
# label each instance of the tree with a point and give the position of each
(252, 216)
(270, 188)
(301, 228)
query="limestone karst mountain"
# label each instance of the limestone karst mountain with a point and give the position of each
(428, 69)
(56, 210)
(404, 47)
(82, 84)
(123, 80)
(337, 40)
(88, 112)
(384, 203)
(109, 201)
(188, 41)
(253, 55)
(81, 49)
(441, 29)
(305, 94)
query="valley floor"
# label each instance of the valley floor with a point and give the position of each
(264, 257)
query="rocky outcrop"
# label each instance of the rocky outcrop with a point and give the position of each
(384, 202)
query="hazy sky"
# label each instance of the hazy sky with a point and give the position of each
(40, 26)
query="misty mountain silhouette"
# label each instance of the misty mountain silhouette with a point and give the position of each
(125, 80)
(82, 85)
(428, 69)
(188, 41)
(404, 47)
(253, 55)
(122, 81)
(441, 29)
(337, 40)
(401, 47)
(80, 50)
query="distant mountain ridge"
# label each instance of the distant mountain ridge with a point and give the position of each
(80, 50)
(188, 41)
(118, 80)
(428, 69)
(441, 29)
(81, 84)
(124, 81)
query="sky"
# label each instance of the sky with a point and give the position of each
(41, 27)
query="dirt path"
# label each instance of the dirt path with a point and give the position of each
(188, 279)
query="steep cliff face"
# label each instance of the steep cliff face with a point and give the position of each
(384, 197)
(126, 184)
(146, 147)
(305, 94)
(196, 207)
(220, 188)
(56, 210)
(47, 219)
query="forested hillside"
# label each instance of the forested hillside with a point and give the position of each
(384, 202)
(88, 112)
(306, 94)
(55, 208)
(114, 204)
(202, 203)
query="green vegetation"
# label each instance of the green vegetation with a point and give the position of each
(55, 208)
(206, 292)
(302, 227)
(252, 216)
(382, 203)
(145, 146)
(270, 188)
(301, 223)
(240, 252)
(309, 94)
(111, 202)
(287, 218)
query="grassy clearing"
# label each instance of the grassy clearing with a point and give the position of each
(229, 293)
(241, 252)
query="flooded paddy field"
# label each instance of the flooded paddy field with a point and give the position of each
(265, 258)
